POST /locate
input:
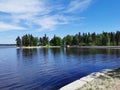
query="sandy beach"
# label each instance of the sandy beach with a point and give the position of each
(32, 47)
(97, 47)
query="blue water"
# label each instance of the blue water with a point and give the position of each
(50, 69)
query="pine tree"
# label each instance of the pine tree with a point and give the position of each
(18, 41)
(56, 41)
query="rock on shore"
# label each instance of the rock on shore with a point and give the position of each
(105, 80)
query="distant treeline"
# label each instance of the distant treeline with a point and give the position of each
(7, 44)
(84, 39)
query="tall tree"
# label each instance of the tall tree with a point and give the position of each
(117, 37)
(80, 38)
(41, 41)
(26, 40)
(75, 40)
(31, 38)
(45, 40)
(56, 41)
(18, 41)
(93, 38)
(35, 41)
(68, 40)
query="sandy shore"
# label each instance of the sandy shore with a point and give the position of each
(97, 47)
(32, 47)
(106, 80)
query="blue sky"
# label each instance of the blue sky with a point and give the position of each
(60, 17)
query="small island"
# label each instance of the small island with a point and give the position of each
(105, 39)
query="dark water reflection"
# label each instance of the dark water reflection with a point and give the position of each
(50, 69)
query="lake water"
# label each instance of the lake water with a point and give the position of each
(50, 69)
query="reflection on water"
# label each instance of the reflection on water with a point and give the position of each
(29, 52)
(26, 52)
(56, 51)
(50, 69)
(87, 51)
(66, 51)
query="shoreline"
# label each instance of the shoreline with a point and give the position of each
(84, 82)
(33, 47)
(97, 47)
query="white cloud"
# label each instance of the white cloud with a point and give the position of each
(21, 7)
(23, 10)
(47, 23)
(5, 27)
(50, 22)
(78, 5)
(38, 13)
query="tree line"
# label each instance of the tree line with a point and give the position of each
(81, 39)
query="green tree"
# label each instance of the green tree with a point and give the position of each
(41, 41)
(75, 40)
(85, 41)
(90, 41)
(35, 41)
(112, 38)
(18, 41)
(25, 40)
(99, 40)
(93, 38)
(68, 40)
(31, 38)
(80, 38)
(56, 41)
(117, 37)
(45, 40)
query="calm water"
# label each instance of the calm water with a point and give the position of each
(50, 69)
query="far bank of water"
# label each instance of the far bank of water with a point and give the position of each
(97, 47)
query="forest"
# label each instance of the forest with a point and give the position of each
(79, 39)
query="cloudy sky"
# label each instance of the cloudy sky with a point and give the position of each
(60, 17)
